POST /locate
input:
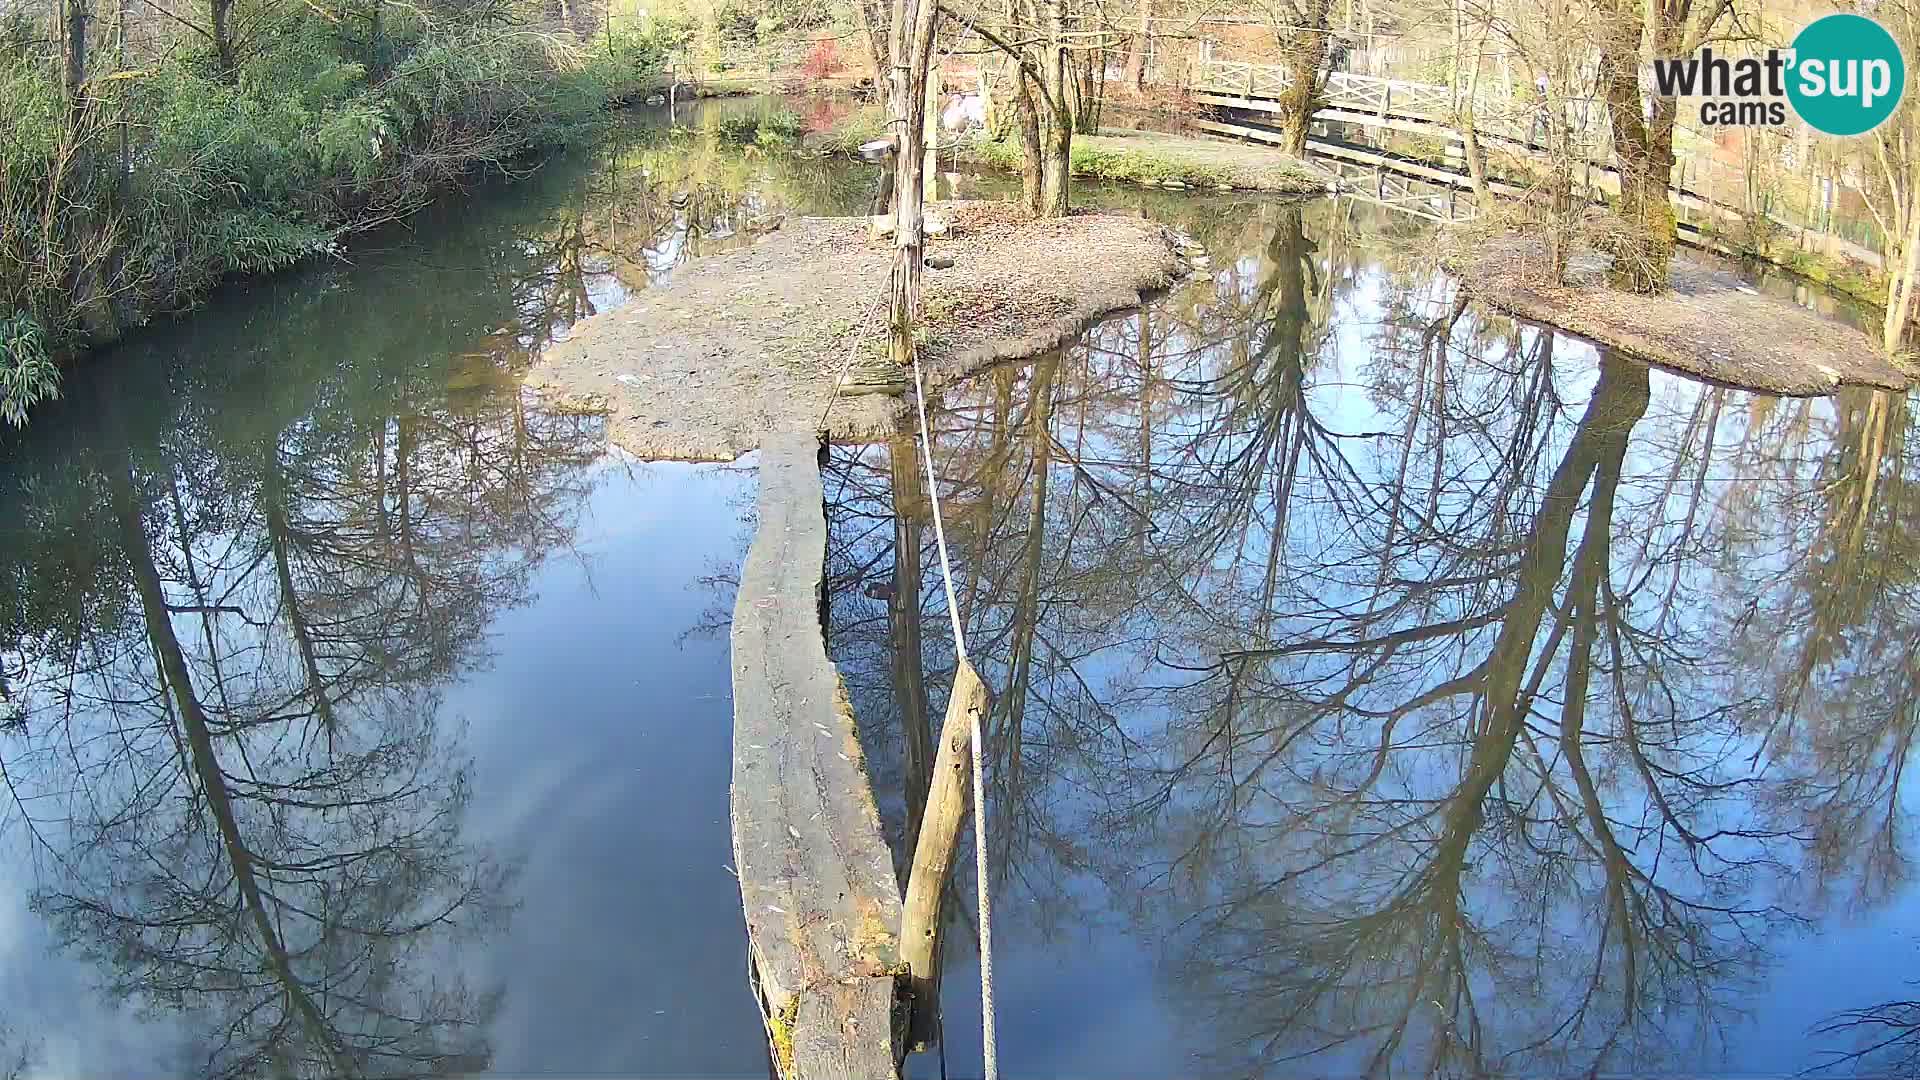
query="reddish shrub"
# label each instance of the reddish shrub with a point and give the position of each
(822, 61)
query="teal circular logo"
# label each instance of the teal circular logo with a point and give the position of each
(1847, 76)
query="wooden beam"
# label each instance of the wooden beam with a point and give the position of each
(948, 806)
(817, 885)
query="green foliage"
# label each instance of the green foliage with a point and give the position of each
(1121, 166)
(168, 177)
(769, 129)
(27, 372)
(861, 126)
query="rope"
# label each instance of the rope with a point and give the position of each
(981, 897)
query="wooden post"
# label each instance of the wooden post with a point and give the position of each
(911, 51)
(948, 801)
(932, 127)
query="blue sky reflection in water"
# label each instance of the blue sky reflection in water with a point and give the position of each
(1413, 692)
(362, 716)
(461, 674)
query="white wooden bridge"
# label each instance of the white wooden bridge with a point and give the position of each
(1400, 105)
(1244, 94)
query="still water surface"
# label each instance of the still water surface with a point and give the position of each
(1391, 688)
(1385, 686)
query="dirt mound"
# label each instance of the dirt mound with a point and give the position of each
(751, 342)
(1709, 323)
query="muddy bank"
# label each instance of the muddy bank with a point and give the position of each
(1709, 322)
(753, 341)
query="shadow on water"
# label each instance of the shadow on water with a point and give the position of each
(359, 717)
(1390, 687)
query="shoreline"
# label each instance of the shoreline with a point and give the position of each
(1709, 324)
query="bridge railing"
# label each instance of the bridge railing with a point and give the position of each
(1370, 93)
(1495, 115)
(1243, 78)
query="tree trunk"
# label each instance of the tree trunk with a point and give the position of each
(1643, 152)
(1056, 180)
(78, 13)
(930, 126)
(1470, 133)
(1902, 266)
(221, 12)
(913, 24)
(1137, 52)
(1304, 54)
(1032, 161)
(948, 802)
(873, 42)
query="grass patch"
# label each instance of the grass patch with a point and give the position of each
(861, 126)
(1120, 166)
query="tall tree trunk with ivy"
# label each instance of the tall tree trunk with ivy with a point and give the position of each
(1303, 54)
(1643, 154)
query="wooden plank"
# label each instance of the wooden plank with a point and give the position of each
(817, 884)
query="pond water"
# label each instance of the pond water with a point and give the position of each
(362, 716)
(1383, 685)
(1387, 687)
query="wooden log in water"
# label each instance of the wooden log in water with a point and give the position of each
(817, 884)
(948, 806)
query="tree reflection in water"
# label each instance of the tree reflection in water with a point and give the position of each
(1441, 700)
(241, 588)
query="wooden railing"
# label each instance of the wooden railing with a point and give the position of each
(1370, 94)
(1403, 103)
(1243, 78)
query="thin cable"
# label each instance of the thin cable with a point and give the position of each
(989, 1051)
(939, 529)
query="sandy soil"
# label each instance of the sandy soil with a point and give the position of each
(752, 342)
(1710, 323)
